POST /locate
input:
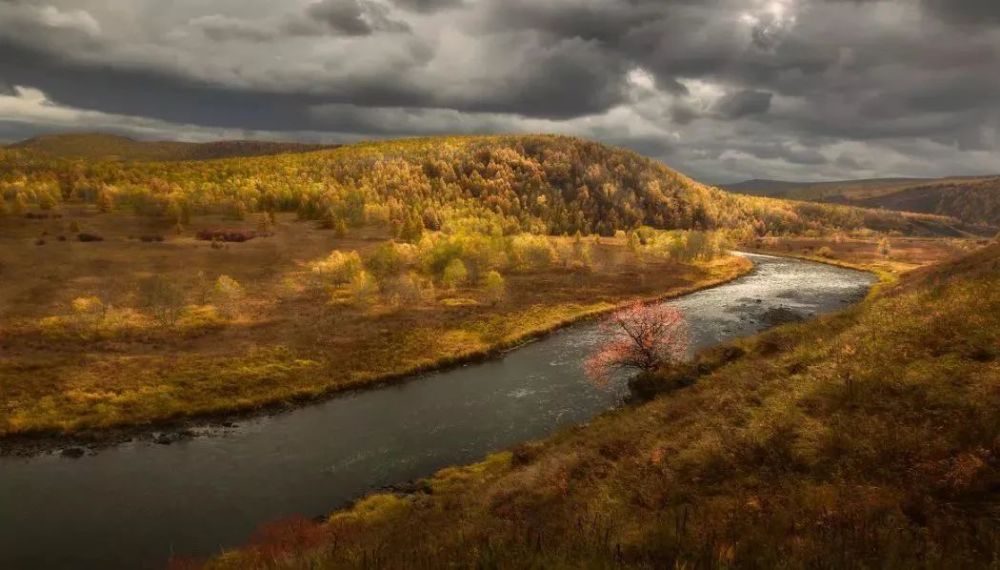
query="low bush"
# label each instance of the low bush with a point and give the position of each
(228, 235)
(89, 237)
(338, 268)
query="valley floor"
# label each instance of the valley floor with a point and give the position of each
(68, 367)
(864, 439)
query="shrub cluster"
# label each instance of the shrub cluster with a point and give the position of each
(227, 235)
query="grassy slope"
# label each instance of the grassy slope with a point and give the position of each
(99, 146)
(865, 439)
(974, 200)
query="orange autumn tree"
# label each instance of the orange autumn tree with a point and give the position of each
(638, 337)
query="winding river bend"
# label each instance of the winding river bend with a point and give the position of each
(134, 505)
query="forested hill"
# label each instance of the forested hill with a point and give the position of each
(100, 146)
(974, 200)
(542, 184)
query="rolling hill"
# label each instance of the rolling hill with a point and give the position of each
(102, 146)
(535, 183)
(974, 199)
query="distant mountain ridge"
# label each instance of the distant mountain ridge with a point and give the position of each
(972, 199)
(103, 146)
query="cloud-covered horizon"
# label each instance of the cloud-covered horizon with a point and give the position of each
(723, 90)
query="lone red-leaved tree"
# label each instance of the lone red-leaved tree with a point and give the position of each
(640, 337)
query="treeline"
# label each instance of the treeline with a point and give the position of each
(511, 184)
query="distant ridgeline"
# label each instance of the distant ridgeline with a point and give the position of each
(974, 200)
(540, 184)
(99, 146)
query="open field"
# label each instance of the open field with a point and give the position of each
(867, 438)
(83, 349)
(890, 255)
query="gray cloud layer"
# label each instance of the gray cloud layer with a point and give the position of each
(722, 89)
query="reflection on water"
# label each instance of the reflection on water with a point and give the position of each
(134, 505)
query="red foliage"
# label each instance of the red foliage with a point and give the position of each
(640, 337)
(234, 235)
(288, 536)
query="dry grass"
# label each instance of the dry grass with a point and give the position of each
(905, 253)
(291, 340)
(867, 439)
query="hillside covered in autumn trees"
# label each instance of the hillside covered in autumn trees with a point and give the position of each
(539, 184)
(974, 200)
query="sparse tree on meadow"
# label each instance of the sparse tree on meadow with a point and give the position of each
(639, 337)
(363, 289)
(227, 296)
(89, 311)
(407, 289)
(264, 224)
(385, 262)
(884, 248)
(338, 268)
(105, 201)
(162, 298)
(495, 287)
(632, 242)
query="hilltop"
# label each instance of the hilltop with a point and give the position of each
(973, 199)
(103, 146)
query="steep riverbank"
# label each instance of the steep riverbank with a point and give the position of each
(321, 457)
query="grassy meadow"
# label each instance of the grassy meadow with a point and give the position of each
(890, 256)
(863, 439)
(131, 329)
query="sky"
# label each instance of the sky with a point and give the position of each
(723, 90)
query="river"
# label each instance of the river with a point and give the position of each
(135, 504)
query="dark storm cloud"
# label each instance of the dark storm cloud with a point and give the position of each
(721, 87)
(967, 11)
(427, 6)
(223, 28)
(744, 102)
(353, 17)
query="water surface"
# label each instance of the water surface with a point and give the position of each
(133, 505)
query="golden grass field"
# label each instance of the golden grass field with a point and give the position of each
(904, 253)
(63, 370)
